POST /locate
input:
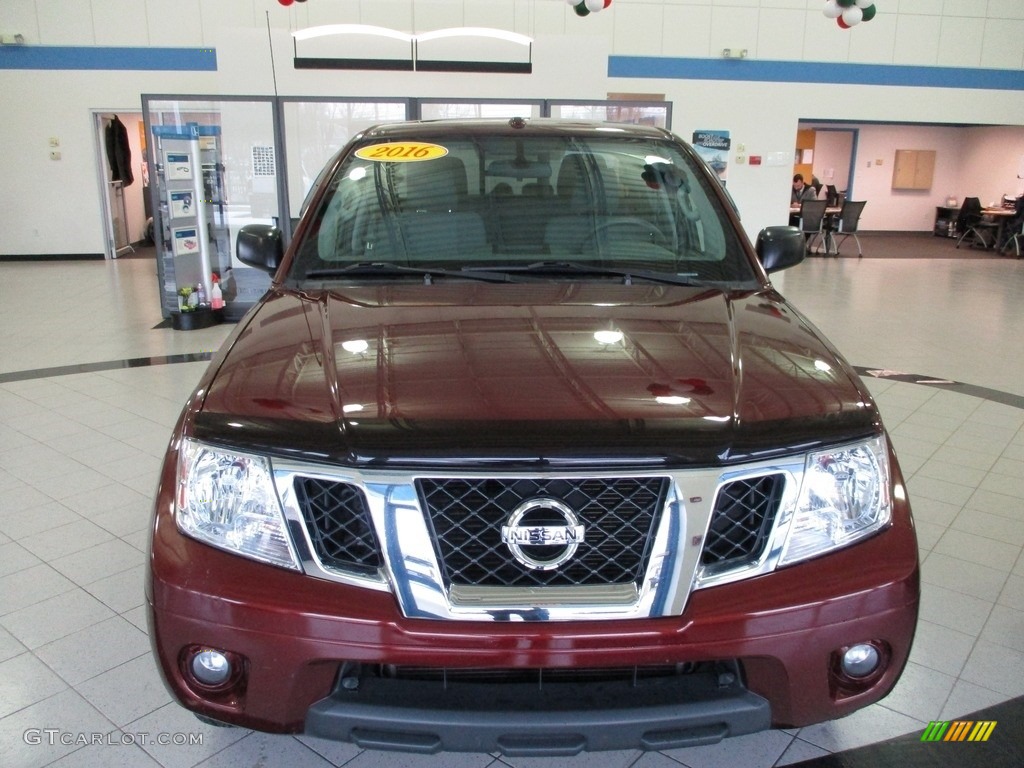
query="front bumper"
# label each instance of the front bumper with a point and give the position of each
(295, 633)
(541, 717)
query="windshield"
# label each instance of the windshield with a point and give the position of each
(456, 203)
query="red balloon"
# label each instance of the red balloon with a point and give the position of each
(286, 2)
(842, 23)
(607, 3)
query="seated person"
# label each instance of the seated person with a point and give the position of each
(818, 187)
(801, 191)
(1014, 226)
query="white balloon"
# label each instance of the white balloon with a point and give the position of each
(853, 16)
(832, 9)
(865, 3)
(572, 2)
(594, 5)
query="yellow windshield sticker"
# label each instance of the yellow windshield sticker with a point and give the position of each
(402, 152)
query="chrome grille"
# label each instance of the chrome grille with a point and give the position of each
(742, 520)
(339, 526)
(467, 515)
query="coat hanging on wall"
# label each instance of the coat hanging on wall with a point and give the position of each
(119, 153)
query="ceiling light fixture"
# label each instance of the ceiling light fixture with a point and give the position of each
(327, 30)
(608, 337)
(497, 34)
(414, 60)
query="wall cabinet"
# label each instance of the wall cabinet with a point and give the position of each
(913, 169)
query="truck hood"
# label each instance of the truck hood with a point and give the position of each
(474, 373)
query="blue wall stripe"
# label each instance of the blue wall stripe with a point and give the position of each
(100, 57)
(814, 72)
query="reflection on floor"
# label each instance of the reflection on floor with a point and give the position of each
(82, 432)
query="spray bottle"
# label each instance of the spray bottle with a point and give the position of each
(216, 295)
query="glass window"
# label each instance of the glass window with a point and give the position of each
(440, 110)
(225, 177)
(316, 130)
(636, 114)
(454, 201)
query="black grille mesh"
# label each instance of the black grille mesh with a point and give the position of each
(744, 513)
(339, 524)
(617, 513)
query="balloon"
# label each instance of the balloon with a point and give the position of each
(286, 2)
(853, 15)
(832, 10)
(869, 12)
(862, 4)
(842, 23)
(594, 5)
(846, 3)
(581, 8)
(571, 2)
(607, 3)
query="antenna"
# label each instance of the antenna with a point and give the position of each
(270, 42)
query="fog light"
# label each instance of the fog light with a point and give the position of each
(860, 660)
(211, 667)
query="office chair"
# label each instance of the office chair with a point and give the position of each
(1014, 229)
(831, 194)
(1016, 241)
(972, 227)
(847, 222)
(812, 223)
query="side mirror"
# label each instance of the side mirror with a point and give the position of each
(780, 247)
(260, 246)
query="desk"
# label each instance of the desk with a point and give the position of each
(999, 216)
(832, 210)
(945, 221)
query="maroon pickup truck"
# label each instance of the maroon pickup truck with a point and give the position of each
(523, 453)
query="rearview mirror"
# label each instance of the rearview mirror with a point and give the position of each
(780, 247)
(260, 246)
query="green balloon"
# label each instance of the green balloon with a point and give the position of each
(581, 9)
(846, 3)
(869, 13)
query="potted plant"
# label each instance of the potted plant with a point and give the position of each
(191, 314)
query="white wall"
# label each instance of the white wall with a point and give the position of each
(51, 207)
(833, 151)
(993, 162)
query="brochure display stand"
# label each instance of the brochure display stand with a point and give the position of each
(191, 231)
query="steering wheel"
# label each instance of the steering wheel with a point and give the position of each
(651, 233)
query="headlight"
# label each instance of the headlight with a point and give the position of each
(228, 500)
(845, 496)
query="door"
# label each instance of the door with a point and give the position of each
(121, 176)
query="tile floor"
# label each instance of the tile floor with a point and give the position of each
(79, 452)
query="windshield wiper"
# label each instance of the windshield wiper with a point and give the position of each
(387, 269)
(576, 268)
